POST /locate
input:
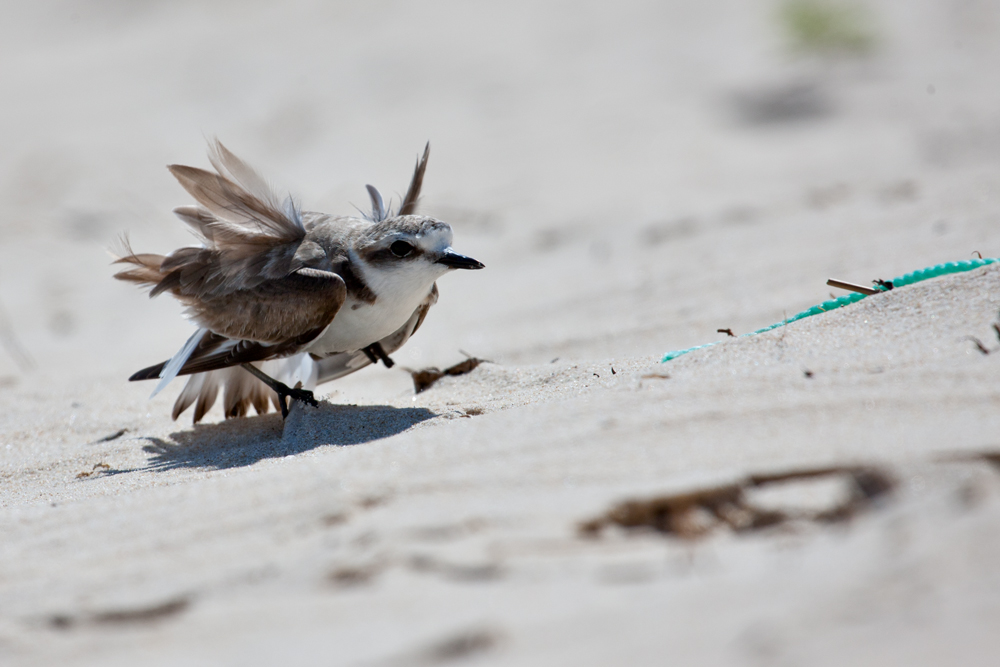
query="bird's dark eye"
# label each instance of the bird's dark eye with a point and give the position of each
(400, 248)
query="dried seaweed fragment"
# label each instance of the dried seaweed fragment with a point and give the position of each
(692, 514)
(128, 616)
(425, 378)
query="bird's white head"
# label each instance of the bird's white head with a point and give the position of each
(408, 252)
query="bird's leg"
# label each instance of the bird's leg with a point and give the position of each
(376, 353)
(282, 389)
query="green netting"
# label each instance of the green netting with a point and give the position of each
(833, 304)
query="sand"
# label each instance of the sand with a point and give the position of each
(635, 177)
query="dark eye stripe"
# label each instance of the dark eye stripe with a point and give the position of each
(385, 255)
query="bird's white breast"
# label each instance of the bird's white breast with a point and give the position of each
(359, 324)
(398, 290)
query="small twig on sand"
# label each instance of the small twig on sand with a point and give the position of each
(979, 344)
(728, 332)
(113, 436)
(851, 287)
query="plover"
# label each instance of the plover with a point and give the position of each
(283, 296)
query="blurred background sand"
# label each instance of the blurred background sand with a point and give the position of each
(613, 164)
(635, 176)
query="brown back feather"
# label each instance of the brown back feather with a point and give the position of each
(146, 271)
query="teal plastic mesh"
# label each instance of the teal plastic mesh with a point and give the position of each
(840, 301)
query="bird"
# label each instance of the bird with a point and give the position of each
(283, 296)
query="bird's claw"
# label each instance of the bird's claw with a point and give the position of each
(296, 394)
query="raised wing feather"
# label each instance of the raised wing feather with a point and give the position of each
(409, 205)
(239, 198)
(250, 236)
(236, 170)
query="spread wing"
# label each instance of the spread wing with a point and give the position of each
(249, 237)
(249, 287)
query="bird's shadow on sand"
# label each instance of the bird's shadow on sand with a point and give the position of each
(241, 442)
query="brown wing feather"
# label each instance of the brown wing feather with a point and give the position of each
(227, 201)
(250, 238)
(246, 351)
(199, 219)
(276, 310)
(236, 170)
(421, 313)
(205, 274)
(146, 271)
(209, 344)
(272, 320)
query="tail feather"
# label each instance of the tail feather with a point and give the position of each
(195, 390)
(242, 391)
(206, 398)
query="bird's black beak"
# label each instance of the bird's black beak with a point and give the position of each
(453, 260)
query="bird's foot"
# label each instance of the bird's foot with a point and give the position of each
(283, 391)
(375, 353)
(296, 394)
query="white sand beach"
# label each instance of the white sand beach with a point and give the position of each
(636, 176)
